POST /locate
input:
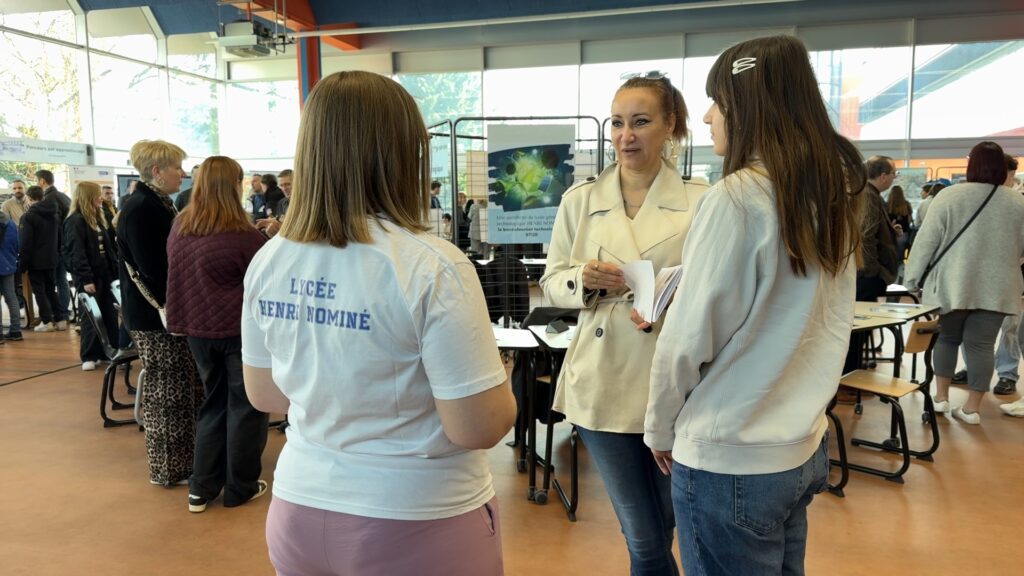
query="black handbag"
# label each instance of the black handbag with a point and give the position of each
(935, 260)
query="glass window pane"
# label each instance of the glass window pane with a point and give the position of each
(865, 90)
(136, 46)
(444, 96)
(695, 76)
(129, 102)
(203, 64)
(56, 24)
(39, 94)
(447, 96)
(549, 91)
(976, 81)
(194, 124)
(260, 120)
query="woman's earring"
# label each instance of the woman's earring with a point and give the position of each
(160, 183)
(670, 151)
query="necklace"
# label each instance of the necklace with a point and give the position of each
(627, 204)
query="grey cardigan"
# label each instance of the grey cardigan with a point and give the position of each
(982, 270)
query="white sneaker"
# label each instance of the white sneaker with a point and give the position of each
(1013, 408)
(44, 327)
(967, 417)
(62, 325)
(88, 365)
(941, 407)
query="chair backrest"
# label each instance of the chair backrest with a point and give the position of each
(90, 309)
(506, 289)
(922, 336)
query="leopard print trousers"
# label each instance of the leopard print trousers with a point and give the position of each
(172, 396)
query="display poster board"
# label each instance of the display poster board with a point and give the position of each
(528, 168)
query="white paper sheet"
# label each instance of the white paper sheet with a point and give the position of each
(651, 294)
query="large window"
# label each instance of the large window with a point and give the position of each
(202, 64)
(695, 75)
(194, 119)
(40, 88)
(549, 91)
(260, 120)
(56, 24)
(444, 96)
(968, 90)
(866, 90)
(129, 102)
(136, 46)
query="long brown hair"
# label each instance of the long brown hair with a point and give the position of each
(216, 204)
(362, 153)
(898, 205)
(773, 110)
(83, 201)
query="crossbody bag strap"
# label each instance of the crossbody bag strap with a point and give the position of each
(974, 216)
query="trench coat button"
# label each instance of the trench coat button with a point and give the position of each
(570, 285)
(599, 332)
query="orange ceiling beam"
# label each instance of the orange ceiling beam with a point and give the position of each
(300, 18)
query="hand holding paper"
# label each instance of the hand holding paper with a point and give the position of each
(651, 294)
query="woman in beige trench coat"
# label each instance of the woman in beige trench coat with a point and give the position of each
(638, 209)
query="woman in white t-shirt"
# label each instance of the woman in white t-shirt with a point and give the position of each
(357, 323)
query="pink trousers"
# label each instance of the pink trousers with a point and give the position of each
(307, 541)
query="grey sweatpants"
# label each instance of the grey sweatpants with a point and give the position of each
(977, 331)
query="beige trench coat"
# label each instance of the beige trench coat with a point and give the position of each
(605, 378)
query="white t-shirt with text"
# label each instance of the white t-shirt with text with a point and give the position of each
(361, 340)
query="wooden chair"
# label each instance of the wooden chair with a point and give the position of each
(890, 390)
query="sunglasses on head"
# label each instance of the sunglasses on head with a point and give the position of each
(652, 75)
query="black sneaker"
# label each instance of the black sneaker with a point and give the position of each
(13, 336)
(960, 378)
(1005, 386)
(197, 504)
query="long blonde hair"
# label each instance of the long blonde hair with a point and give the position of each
(362, 153)
(83, 201)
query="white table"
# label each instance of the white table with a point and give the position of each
(513, 338)
(525, 261)
(896, 311)
(558, 341)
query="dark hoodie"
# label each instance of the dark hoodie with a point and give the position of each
(38, 238)
(272, 196)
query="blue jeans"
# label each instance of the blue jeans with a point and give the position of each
(63, 290)
(746, 524)
(1008, 351)
(641, 497)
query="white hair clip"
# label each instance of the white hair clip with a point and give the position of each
(742, 65)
